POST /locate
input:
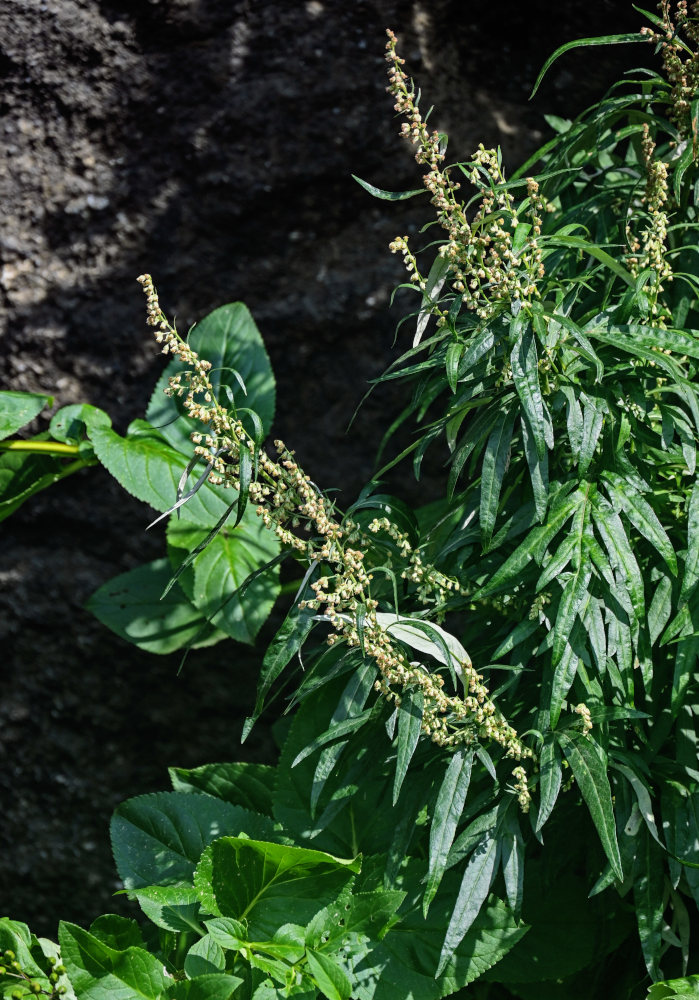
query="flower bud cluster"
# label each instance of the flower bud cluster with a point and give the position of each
(650, 251)
(29, 986)
(584, 712)
(680, 60)
(484, 267)
(290, 505)
(524, 796)
(433, 585)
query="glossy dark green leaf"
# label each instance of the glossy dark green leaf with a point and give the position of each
(538, 471)
(589, 767)
(537, 539)
(98, 971)
(132, 606)
(332, 980)
(642, 516)
(454, 353)
(691, 562)
(475, 886)
(648, 893)
(616, 542)
(525, 374)
(619, 39)
(245, 784)
(550, 775)
(593, 419)
(495, 460)
(512, 856)
(447, 813)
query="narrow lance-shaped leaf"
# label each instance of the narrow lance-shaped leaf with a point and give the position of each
(691, 562)
(475, 885)
(512, 855)
(447, 812)
(538, 471)
(593, 419)
(648, 890)
(642, 516)
(525, 373)
(409, 723)
(495, 459)
(550, 774)
(589, 768)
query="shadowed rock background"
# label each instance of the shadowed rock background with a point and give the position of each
(210, 142)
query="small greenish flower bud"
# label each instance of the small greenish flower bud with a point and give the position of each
(61, 990)
(51, 960)
(17, 995)
(34, 986)
(3, 970)
(53, 977)
(9, 955)
(16, 966)
(61, 970)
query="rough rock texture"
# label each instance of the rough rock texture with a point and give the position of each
(212, 143)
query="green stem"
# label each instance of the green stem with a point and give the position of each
(45, 447)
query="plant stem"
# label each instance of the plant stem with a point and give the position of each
(43, 447)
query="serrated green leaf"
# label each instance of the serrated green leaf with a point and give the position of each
(409, 723)
(265, 883)
(229, 339)
(447, 813)
(23, 474)
(214, 987)
(204, 958)
(221, 569)
(100, 972)
(150, 469)
(132, 606)
(18, 409)
(245, 784)
(173, 907)
(332, 980)
(157, 839)
(589, 767)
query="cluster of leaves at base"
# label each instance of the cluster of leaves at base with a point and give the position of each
(29, 966)
(153, 462)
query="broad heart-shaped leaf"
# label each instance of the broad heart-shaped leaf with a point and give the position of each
(223, 566)
(568, 931)
(216, 986)
(18, 409)
(150, 469)
(241, 783)
(99, 972)
(332, 980)
(228, 338)
(131, 606)
(158, 839)
(589, 767)
(404, 962)
(172, 907)
(266, 884)
(686, 988)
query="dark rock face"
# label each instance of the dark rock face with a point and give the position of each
(210, 142)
